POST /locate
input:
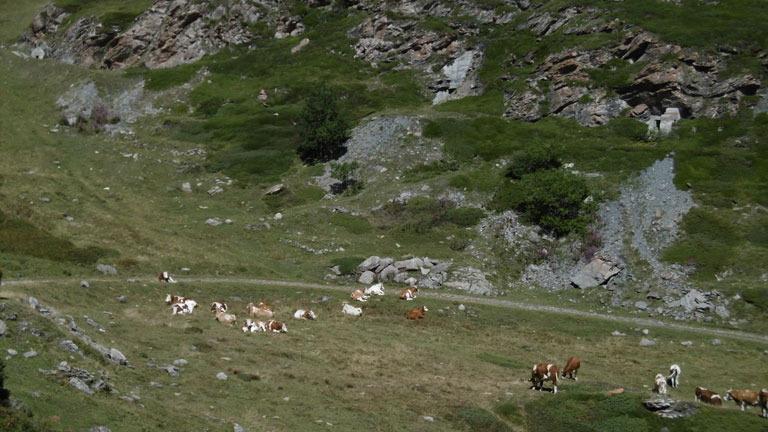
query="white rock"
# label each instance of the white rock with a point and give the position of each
(277, 216)
(222, 376)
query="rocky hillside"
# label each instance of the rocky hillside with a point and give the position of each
(656, 121)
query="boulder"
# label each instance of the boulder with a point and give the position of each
(304, 42)
(274, 189)
(80, 385)
(389, 273)
(694, 300)
(106, 269)
(117, 357)
(221, 376)
(645, 342)
(411, 264)
(597, 272)
(641, 305)
(669, 407)
(383, 263)
(85, 284)
(68, 345)
(367, 277)
(215, 190)
(369, 264)
(3, 328)
(186, 187)
(213, 221)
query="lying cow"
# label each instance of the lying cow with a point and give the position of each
(348, 309)
(377, 289)
(743, 398)
(674, 376)
(409, 294)
(218, 307)
(275, 326)
(359, 295)
(572, 368)
(708, 396)
(181, 305)
(253, 326)
(165, 277)
(169, 299)
(417, 313)
(180, 309)
(302, 314)
(544, 372)
(660, 384)
(225, 318)
(260, 311)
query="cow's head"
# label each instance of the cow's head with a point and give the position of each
(728, 395)
(168, 299)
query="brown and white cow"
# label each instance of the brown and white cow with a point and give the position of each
(218, 307)
(260, 311)
(173, 299)
(359, 295)
(275, 326)
(304, 314)
(417, 313)
(744, 398)
(572, 367)
(225, 318)
(409, 294)
(253, 326)
(544, 372)
(708, 396)
(165, 277)
(660, 384)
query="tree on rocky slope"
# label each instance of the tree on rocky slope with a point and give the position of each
(322, 127)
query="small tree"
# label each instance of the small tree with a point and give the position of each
(535, 158)
(345, 173)
(322, 128)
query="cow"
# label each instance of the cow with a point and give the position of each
(275, 326)
(544, 372)
(708, 396)
(253, 326)
(218, 307)
(169, 299)
(660, 384)
(572, 368)
(180, 309)
(377, 289)
(165, 277)
(302, 314)
(351, 310)
(359, 295)
(417, 313)
(225, 318)
(743, 398)
(409, 294)
(259, 311)
(674, 376)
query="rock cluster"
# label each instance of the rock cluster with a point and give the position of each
(81, 379)
(687, 80)
(422, 272)
(669, 407)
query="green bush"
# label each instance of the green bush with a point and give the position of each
(321, 127)
(345, 173)
(534, 158)
(552, 199)
(347, 265)
(465, 216)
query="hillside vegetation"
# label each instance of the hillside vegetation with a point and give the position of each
(111, 157)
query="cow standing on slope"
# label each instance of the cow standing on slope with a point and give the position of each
(572, 367)
(544, 372)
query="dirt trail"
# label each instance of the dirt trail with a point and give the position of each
(644, 322)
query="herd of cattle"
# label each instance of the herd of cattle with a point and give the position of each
(541, 372)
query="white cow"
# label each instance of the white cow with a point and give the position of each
(674, 375)
(351, 310)
(377, 289)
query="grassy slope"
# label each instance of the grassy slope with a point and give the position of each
(379, 372)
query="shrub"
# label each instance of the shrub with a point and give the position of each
(465, 216)
(345, 173)
(556, 200)
(347, 265)
(534, 158)
(321, 127)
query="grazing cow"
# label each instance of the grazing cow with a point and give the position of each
(302, 314)
(275, 326)
(409, 294)
(544, 372)
(351, 310)
(674, 375)
(260, 312)
(708, 396)
(742, 398)
(359, 295)
(417, 314)
(219, 307)
(225, 318)
(660, 384)
(572, 367)
(377, 289)
(165, 277)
